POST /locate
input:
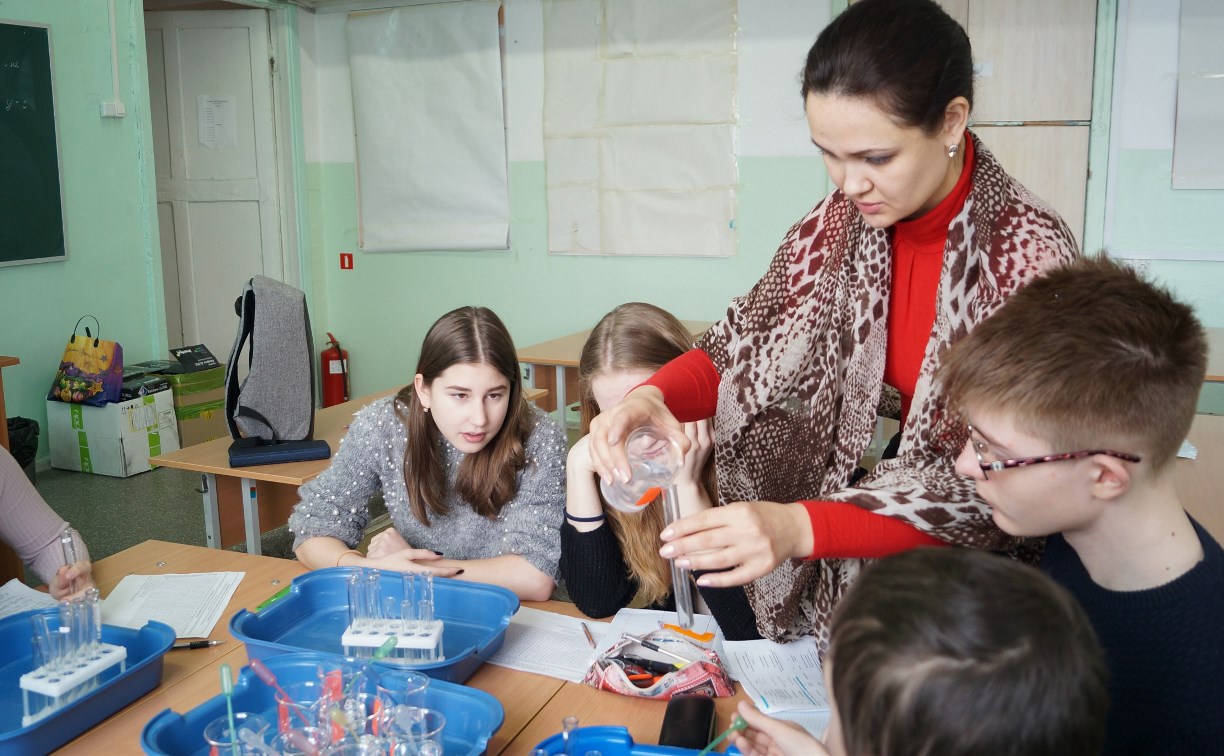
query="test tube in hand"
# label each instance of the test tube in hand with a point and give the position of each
(68, 544)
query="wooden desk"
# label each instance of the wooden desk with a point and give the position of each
(263, 494)
(1200, 482)
(561, 355)
(1215, 355)
(534, 704)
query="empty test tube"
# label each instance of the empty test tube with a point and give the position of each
(356, 597)
(425, 603)
(373, 596)
(93, 599)
(69, 640)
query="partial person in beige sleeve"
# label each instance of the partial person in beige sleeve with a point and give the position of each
(33, 530)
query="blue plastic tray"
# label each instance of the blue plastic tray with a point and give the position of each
(472, 716)
(146, 648)
(313, 614)
(615, 741)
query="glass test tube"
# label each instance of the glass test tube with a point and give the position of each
(425, 605)
(408, 607)
(682, 587)
(373, 596)
(356, 598)
(68, 545)
(93, 597)
(569, 738)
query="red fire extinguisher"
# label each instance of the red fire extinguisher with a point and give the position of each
(334, 368)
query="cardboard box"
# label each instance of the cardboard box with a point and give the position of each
(200, 423)
(114, 439)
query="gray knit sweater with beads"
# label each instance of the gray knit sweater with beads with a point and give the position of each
(371, 458)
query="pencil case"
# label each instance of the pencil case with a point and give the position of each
(632, 668)
(249, 452)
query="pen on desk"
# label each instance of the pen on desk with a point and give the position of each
(196, 644)
(656, 647)
(587, 632)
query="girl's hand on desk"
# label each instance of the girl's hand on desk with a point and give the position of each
(389, 542)
(415, 560)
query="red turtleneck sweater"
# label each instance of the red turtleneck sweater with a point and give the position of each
(690, 383)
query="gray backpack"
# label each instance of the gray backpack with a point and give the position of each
(275, 402)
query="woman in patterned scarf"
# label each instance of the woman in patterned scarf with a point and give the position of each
(925, 236)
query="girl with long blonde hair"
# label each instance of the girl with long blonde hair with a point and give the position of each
(610, 557)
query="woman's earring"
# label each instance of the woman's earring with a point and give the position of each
(426, 410)
(953, 149)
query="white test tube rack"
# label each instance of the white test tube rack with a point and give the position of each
(50, 687)
(374, 618)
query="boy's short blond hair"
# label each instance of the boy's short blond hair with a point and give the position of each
(1087, 356)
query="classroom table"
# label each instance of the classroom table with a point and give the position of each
(554, 365)
(264, 494)
(534, 704)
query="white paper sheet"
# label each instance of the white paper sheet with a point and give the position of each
(217, 121)
(779, 676)
(431, 130)
(548, 643)
(16, 597)
(190, 603)
(653, 86)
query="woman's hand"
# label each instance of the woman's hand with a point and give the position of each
(62, 584)
(641, 406)
(767, 736)
(752, 537)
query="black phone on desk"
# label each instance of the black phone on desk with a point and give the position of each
(688, 722)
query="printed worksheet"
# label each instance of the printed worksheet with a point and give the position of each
(779, 676)
(190, 603)
(16, 596)
(548, 643)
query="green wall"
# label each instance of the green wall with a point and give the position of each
(113, 269)
(381, 310)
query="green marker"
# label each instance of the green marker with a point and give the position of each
(273, 597)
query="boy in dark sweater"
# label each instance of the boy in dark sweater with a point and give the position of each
(1097, 372)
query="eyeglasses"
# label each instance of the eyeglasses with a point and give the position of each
(1003, 464)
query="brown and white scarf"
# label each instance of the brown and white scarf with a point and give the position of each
(801, 359)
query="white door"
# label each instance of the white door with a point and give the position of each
(210, 91)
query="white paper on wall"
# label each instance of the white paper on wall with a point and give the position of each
(640, 126)
(1198, 152)
(430, 127)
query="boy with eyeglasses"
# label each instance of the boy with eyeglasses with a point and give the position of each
(1078, 393)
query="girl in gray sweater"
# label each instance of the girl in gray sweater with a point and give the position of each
(473, 476)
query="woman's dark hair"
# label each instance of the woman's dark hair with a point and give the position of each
(956, 651)
(488, 478)
(909, 56)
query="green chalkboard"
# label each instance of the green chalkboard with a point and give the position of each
(31, 209)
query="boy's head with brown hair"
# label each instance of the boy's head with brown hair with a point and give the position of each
(1090, 365)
